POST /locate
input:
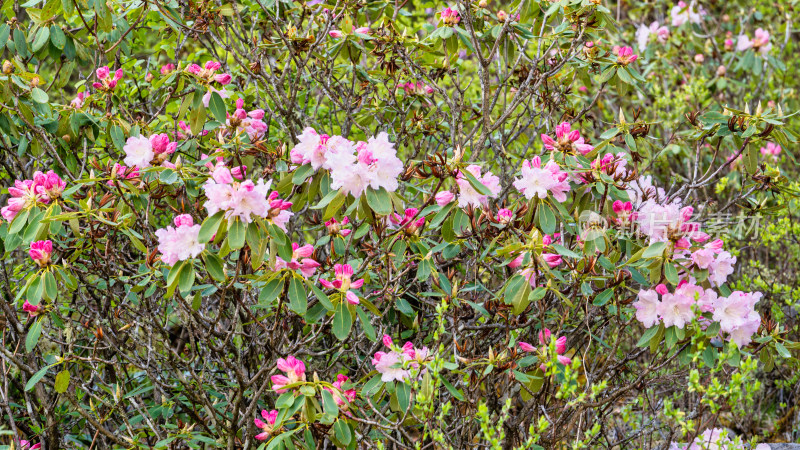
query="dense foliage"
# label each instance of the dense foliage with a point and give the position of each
(358, 224)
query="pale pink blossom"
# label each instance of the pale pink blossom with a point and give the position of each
(683, 13)
(181, 242)
(138, 152)
(445, 197)
(538, 181)
(647, 308)
(676, 310)
(469, 196)
(644, 33)
(760, 42)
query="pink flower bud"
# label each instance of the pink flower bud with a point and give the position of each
(194, 69)
(362, 30)
(335, 34)
(223, 78)
(183, 220)
(32, 310)
(387, 340)
(40, 252)
(544, 336)
(213, 65)
(444, 198)
(662, 289)
(525, 347)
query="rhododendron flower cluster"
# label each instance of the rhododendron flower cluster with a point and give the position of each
(771, 149)
(301, 260)
(295, 372)
(683, 13)
(354, 167)
(567, 140)
(545, 337)
(669, 222)
(107, 81)
(181, 242)
(538, 181)
(208, 74)
(760, 42)
(43, 188)
(78, 101)
(143, 152)
(267, 425)
(735, 313)
(40, 252)
(248, 121)
(408, 222)
(450, 17)
(625, 55)
(243, 199)
(342, 397)
(32, 310)
(399, 363)
(342, 282)
(418, 88)
(468, 195)
(644, 34)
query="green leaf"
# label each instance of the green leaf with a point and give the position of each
(403, 392)
(379, 201)
(39, 96)
(215, 266)
(33, 336)
(236, 234)
(603, 297)
(35, 378)
(57, 37)
(42, 36)
(655, 249)
(648, 334)
(186, 279)
(547, 219)
(18, 222)
(217, 107)
(328, 404)
(671, 273)
(62, 381)
(168, 176)
(477, 185)
(342, 431)
(517, 293)
(210, 227)
(342, 321)
(301, 173)
(50, 286)
(172, 276)
(271, 291)
(298, 301)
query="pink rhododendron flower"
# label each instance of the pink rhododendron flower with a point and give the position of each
(760, 42)
(538, 181)
(468, 196)
(28, 193)
(342, 397)
(123, 172)
(720, 268)
(138, 152)
(167, 68)
(676, 310)
(342, 282)
(179, 243)
(771, 149)
(107, 81)
(525, 347)
(52, 183)
(644, 33)
(335, 34)
(301, 260)
(647, 308)
(26, 445)
(317, 149)
(78, 101)
(390, 366)
(567, 140)
(376, 166)
(243, 199)
(625, 55)
(408, 221)
(444, 198)
(450, 17)
(295, 372)
(248, 121)
(32, 310)
(683, 13)
(267, 424)
(504, 216)
(40, 252)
